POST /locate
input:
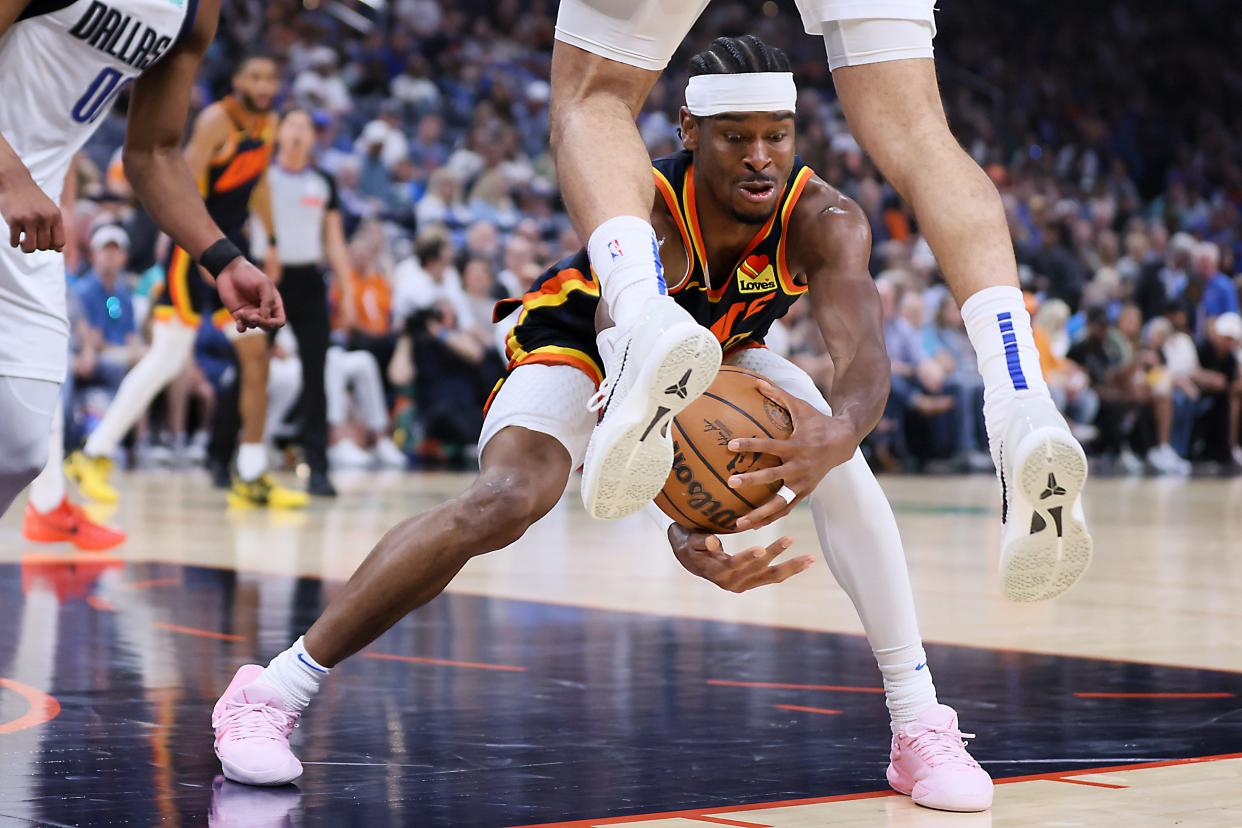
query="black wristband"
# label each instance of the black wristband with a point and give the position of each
(217, 257)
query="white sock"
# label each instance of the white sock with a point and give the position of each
(251, 461)
(626, 259)
(172, 344)
(296, 675)
(48, 489)
(860, 541)
(1000, 330)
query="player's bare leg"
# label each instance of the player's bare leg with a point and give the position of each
(894, 111)
(523, 476)
(253, 485)
(659, 359)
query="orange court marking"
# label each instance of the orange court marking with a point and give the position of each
(734, 822)
(771, 685)
(1091, 784)
(177, 628)
(43, 708)
(823, 710)
(440, 662)
(1154, 695)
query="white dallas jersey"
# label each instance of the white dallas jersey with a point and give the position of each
(62, 64)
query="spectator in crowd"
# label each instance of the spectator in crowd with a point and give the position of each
(1067, 381)
(426, 279)
(320, 85)
(361, 436)
(1208, 291)
(369, 328)
(108, 309)
(946, 343)
(443, 203)
(1221, 399)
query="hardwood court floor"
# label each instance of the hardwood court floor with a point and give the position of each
(582, 678)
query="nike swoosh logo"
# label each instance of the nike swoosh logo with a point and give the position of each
(922, 664)
(302, 658)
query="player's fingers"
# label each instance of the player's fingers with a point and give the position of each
(762, 477)
(774, 509)
(276, 309)
(762, 445)
(15, 234)
(776, 395)
(57, 233)
(30, 241)
(780, 573)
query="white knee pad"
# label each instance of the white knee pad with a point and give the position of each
(27, 407)
(859, 42)
(640, 33)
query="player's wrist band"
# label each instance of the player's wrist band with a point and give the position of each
(218, 256)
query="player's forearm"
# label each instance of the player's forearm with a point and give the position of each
(860, 387)
(11, 167)
(164, 184)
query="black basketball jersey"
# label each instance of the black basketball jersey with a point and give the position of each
(557, 322)
(236, 169)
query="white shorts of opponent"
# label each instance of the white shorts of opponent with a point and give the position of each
(523, 398)
(34, 354)
(645, 33)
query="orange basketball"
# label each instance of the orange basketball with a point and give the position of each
(697, 493)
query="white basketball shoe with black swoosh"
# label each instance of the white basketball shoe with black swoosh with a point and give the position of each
(652, 372)
(1045, 546)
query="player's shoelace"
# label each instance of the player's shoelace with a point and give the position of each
(940, 745)
(255, 720)
(600, 397)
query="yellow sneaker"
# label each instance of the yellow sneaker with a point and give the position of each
(91, 475)
(265, 491)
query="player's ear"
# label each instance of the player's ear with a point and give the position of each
(689, 130)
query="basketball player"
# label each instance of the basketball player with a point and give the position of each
(605, 60)
(62, 62)
(228, 153)
(746, 230)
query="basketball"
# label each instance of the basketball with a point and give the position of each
(697, 494)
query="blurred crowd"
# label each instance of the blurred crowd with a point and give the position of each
(1113, 136)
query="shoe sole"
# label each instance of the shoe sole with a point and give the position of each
(1049, 476)
(631, 451)
(897, 784)
(235, 774)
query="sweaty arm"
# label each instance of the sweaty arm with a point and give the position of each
(834, 250)
(165, 183)
(830, 241)
(35, 222)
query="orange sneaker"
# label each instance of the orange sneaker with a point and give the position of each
(68, 522)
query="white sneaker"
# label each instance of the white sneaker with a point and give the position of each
(1166, 461)
(652, 372)
(388, 455)
(347, 454)
(1130, 463)
(1045, 546)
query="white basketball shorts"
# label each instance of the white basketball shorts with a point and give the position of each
(645, 33)
(34, 333)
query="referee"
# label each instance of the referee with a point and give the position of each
(309, 232)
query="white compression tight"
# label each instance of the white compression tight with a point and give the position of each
(172, 345)
(860, 541)
(48, 489)
(27, 407)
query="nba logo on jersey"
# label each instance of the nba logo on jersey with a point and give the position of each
(614, 247)
(756, 275)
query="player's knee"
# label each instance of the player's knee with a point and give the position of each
(20, 465)
(503, 507)
(584, 85)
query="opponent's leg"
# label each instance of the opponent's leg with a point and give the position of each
(26, 409)
(253, 486)
(886, 81)
(50, 516)
(172, 345)
(604, 63)
(523, 475)
(861, 543)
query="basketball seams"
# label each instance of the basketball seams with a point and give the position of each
(741, 411)
(708, 465)
(694, 524)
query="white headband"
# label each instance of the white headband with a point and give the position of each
(708, 95)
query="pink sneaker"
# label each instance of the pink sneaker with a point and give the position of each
(929, 763)
(252, 732)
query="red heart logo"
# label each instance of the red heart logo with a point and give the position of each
(757, 263)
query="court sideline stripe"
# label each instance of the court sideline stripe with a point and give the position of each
(826, 711)
(757, 806)
(734, 822)
(440, 662)
(772, 685)
(1090, 784)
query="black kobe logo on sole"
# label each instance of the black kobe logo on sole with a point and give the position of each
(1052, 490)
(661, 413)
(678, 388)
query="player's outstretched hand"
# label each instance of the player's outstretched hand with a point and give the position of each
(35, 222)
(818, 444)
(250, 296)
(703, 555)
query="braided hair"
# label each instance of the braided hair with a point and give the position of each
(738, 55)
